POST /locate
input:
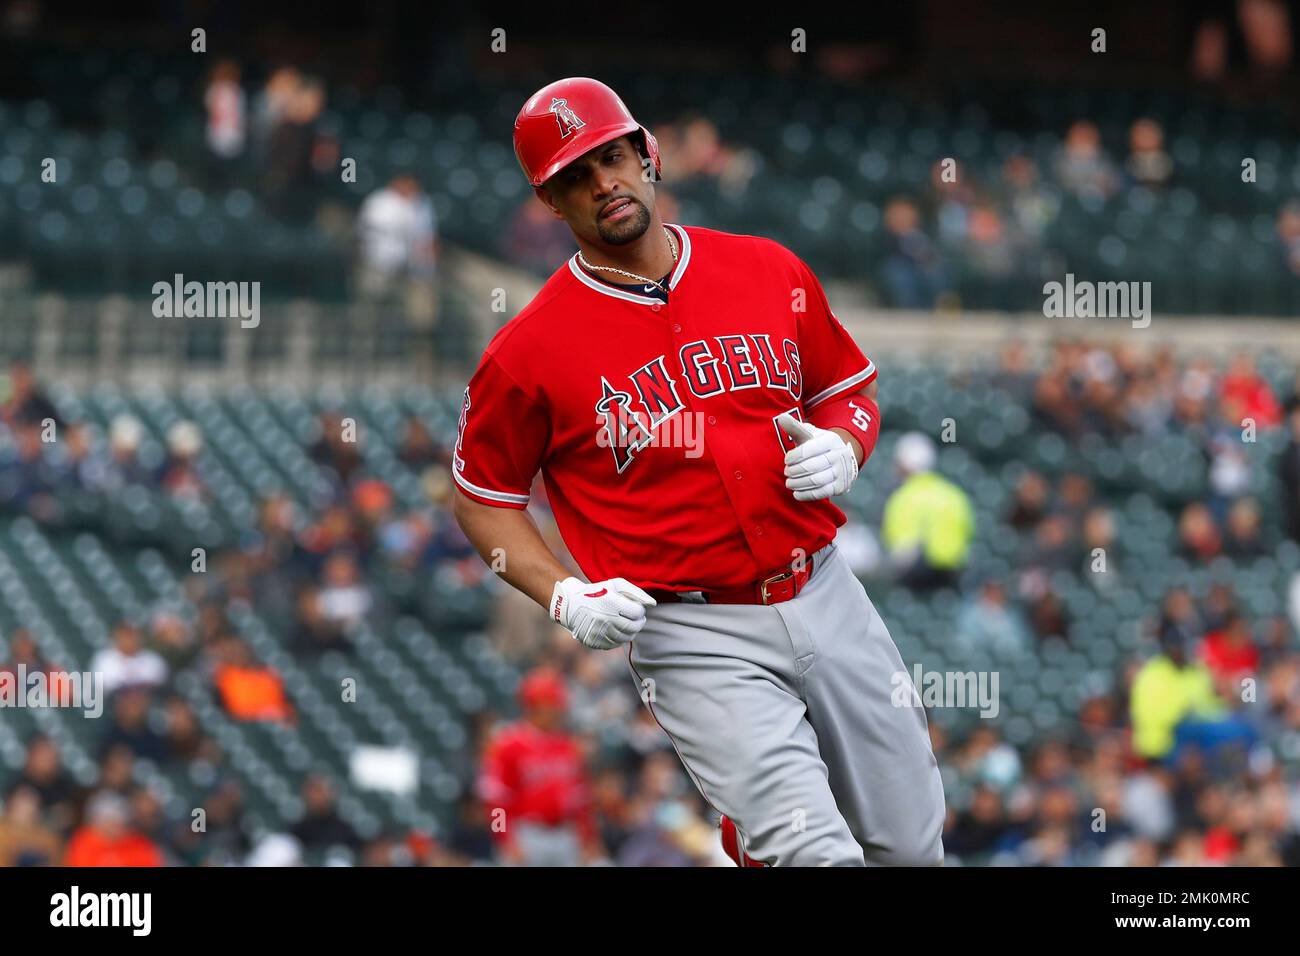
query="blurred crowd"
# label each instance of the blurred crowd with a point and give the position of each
(998, 234)
(277, 142)
(1122, 392)
(1179, 766)
(281, 146)
(1179, 762)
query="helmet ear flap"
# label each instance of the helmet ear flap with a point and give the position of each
(650, 150)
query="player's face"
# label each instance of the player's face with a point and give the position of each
(602, 195)
(545, 716)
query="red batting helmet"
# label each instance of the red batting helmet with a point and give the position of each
(563, 120)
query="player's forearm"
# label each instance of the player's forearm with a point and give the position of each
(509, 541)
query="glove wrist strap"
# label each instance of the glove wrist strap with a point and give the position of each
(557, 607)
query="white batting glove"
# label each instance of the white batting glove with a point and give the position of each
(603, 615)
(823, 465)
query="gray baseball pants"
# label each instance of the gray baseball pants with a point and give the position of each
(785, 717)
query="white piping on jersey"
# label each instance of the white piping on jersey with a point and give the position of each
(685, 256)
(838, 387)
(604, 287)
(502, 496)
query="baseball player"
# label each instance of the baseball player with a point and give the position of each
(536, 774)
(693, 405)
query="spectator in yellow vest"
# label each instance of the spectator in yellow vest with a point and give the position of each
(928, 522)
(1167, 690)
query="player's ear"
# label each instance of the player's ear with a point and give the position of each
(544, 195)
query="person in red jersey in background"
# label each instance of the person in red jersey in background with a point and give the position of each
(535, 782)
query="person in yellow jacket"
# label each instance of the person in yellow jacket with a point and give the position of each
(928, 522)
(1167, 690)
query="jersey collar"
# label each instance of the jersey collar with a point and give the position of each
(683, 259)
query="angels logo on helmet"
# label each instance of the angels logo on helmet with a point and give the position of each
(569, 121)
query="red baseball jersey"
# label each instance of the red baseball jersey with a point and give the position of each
(538, 776)
(654, 423)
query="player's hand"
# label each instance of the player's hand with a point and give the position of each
(823, 464)
(603, 615)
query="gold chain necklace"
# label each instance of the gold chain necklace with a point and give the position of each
(672, 245)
